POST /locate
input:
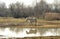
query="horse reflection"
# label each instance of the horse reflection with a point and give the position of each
(31, 32)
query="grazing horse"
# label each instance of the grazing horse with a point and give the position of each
(31, 20)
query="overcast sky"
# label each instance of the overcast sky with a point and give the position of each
(26, 2)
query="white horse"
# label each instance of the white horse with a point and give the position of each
(31, 20)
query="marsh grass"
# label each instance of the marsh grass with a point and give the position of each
(22, 22)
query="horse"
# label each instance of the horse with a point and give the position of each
(31, 20)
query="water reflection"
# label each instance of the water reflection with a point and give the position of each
(21, 32)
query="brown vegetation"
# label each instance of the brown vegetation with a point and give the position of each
(21, 22)
(44, 37)
(52, 16)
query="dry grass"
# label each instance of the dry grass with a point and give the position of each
(44, 37)
(4, 20)
(40, 22)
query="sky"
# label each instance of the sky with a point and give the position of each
(26, 2)
(50, 1)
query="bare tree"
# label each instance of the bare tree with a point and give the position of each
(41, 8)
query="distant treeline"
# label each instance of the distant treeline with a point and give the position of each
(18, 10)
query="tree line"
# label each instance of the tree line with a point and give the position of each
(18, 10)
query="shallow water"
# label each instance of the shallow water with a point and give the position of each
(21, 32)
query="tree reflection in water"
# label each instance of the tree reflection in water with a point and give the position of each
(2, 28)
(14, 29)
(42, 31)
(21, 32)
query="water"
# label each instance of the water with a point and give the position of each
(22, 32)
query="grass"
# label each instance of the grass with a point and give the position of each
(4, 20)
(40, 22)
(44, 37)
